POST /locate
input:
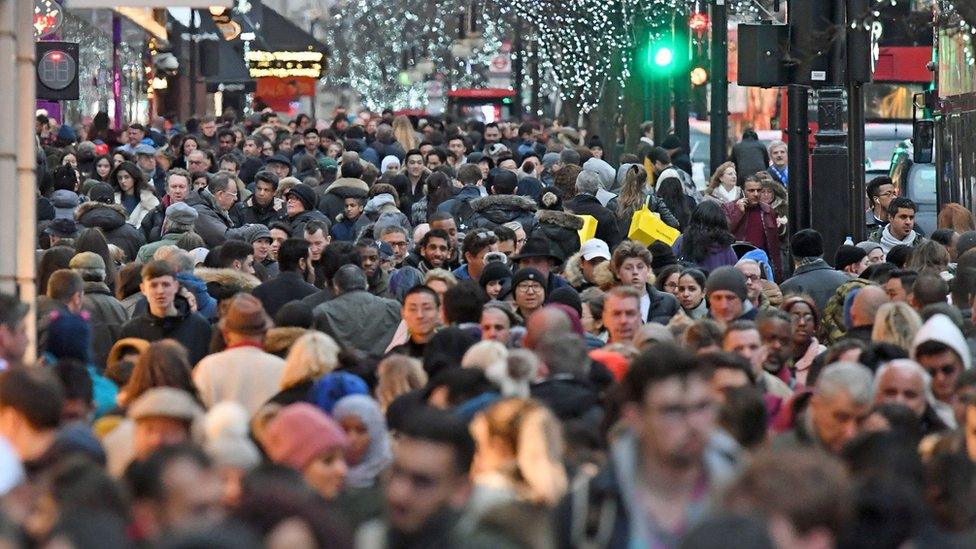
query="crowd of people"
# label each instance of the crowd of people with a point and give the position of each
(388, 332)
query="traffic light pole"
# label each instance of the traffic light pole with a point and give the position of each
(681, 81)
(719, 114)
(799, 159)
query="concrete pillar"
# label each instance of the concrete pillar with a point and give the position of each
(17, 157)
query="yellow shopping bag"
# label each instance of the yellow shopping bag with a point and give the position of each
(646, 227)
(588, 230)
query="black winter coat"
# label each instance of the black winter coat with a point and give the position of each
(663, 306)
(498, 209)
(111, 219)
(287, 286)
(606, 221)
(561, 229)
(189, 328)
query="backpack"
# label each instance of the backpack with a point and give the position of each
(832, 326)
(463, 214)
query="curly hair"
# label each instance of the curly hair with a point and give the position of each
(565, 180)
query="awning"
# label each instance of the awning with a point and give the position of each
(232, 72)
(279, 34)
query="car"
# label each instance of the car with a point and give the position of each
(917, 182)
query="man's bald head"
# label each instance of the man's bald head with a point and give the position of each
(866, 305)
(545, 322)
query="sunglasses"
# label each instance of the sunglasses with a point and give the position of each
(946, 370)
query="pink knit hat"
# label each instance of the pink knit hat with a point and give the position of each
(300, 433)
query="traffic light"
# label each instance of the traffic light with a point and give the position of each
(664, 57)
(57, 70)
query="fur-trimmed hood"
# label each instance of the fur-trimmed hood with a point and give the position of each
(559, 219)
(503, 202)
(223, 283)
(605, 278)
(279, 340)
(101, 215)
(573, 270)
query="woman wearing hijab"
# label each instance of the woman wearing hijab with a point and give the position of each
(368, 455)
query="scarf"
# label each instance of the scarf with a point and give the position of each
(888, 240)
(727, 196)
(782, 175)
(378, 456)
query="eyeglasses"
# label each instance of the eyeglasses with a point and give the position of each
(752, 278)
(887, 194)
(529, 288)
(230, 194)
(805, 317)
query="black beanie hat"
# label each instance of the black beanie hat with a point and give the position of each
(494, 270)
(727, 278)
(528, 273)
(304, 193)
(848, 255)
(807, 243)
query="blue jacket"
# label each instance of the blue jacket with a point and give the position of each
(344, 229)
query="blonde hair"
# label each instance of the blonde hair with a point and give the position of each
(533, 437)
(716, 179)
(396, 375)
(483, 354)
(896, 323)
(445, 276)
(404, 134)
(312, 356)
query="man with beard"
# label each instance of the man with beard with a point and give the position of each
(775, 331)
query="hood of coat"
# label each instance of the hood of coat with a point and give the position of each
(348, 183)
(941, 329)
(279, 340)
(503, 202)
(605, 279)
(560, 219)
(573, 270)
(101, 215)
(228, 278)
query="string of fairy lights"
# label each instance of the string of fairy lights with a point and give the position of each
(579, 45)
(951, 18)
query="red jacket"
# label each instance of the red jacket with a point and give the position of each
(737, 226)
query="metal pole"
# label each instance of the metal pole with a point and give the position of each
(315, 86)
(799, 160)
(858, 59)
(830, 191)
(720, 85)
(682, 78)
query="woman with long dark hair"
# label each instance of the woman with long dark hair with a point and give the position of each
(680, 204)
(133, 192)
(707, 241)
(102, 168)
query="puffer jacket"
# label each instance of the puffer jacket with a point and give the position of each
(111, 219)
(498, 209)
(561, 229)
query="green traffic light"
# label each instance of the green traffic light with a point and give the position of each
(663, 57)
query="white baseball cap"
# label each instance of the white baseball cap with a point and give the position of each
(595, 247)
